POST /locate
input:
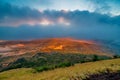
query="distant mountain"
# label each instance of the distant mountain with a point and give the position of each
(52, 45)
(113, 45)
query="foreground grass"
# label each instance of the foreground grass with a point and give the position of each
(61, 73)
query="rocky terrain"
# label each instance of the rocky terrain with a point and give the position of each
(49, 45)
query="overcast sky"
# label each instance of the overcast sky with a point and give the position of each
(84, 19)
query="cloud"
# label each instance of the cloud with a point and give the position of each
(28, 3)
(26, 23)
(13, 15)
(16, 16)
(110, 7)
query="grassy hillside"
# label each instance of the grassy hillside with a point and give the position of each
(78, 70)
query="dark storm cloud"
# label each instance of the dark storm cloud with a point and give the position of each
(82, 24)
(12, 14)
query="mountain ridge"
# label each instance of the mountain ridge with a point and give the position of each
(50, 45)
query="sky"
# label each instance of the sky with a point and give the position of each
(82, 19)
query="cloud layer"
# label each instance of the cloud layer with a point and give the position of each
(110, 7)
(26, 23)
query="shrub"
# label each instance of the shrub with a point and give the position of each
(50, 67)
(42, 68)
(65, 64)
(95, 58)
(116, 56)
(43, 61)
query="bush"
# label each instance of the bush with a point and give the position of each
(95, 58)
(116, 56)
(43, 61)
(50, 67)
(42, 68)
(65, 64)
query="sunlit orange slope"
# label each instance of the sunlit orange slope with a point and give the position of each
(50, 45)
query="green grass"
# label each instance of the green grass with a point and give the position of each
(42, 61)
(61, 73)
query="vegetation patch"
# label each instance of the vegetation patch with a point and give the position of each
(44, 61)
(76, 72)
(51, 67)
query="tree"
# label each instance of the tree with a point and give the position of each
(95, 58)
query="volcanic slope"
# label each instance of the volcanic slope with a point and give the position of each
(52, 45)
